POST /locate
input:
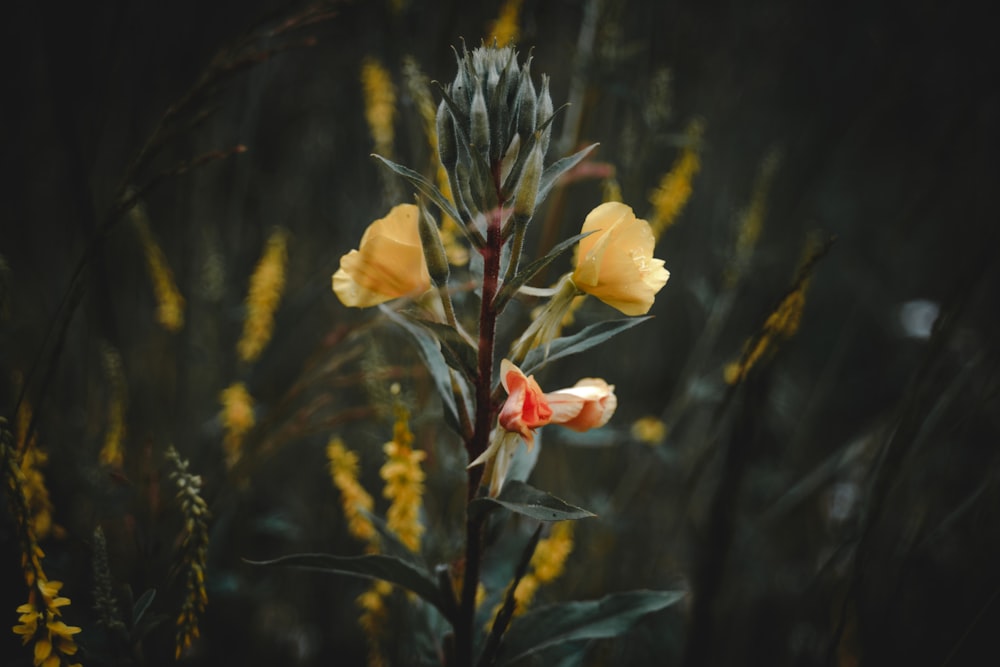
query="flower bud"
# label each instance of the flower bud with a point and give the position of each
(527, 101)
(479, 121)
(447, 148)
(527, 189)
(434, 254)
(545, 112)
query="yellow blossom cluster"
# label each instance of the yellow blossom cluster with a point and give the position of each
(39, 621)
(169, 302)
(193, 551)
(112, 452)
(650, 430)
(674, 190)
(380, 104)
(505, 29)
(237, 418)
(354, 499)
(547, 564)
(404, 483)
(30, 478)
(266, 286)
(373, 618)
(39, 618)
(783, 322)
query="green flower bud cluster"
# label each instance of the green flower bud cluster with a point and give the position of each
(493, 130)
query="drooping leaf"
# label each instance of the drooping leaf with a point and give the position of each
(430, 351)
(558, 168)
(510, 288)
(586, 338)
(142, 605)
(372, 566)
(559, 624)
(527, 500)
(458, 351)
(425, 187)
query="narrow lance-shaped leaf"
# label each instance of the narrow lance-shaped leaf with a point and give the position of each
(558, 168)
(510, 288)
(372, 566)
(457, 351)
(430, 352)
(531, 502)
(425, 187)
(588, 337)
(556, 625)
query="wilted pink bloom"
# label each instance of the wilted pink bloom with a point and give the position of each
(588, 404)
(525, 408)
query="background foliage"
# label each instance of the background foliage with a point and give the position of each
(858, 520)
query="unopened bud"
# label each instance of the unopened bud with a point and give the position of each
(545, 111)
(434, 254)
(527, 100)
(480, 123)
(527, 189)
(447, 148)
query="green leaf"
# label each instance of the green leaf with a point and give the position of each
(372, 566)
(425, 187)
(429, 348)
(588, 337)
(142, 605)
(510, 288)
(457, 351)
(556, 625)
(527, 500)
(557, 169)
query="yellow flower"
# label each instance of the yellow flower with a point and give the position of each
(388, 264)
(266, 286)
(615, 263)
(237, 417)
(354, 499)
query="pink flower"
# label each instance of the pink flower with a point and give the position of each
(526, 407)
(588, 404)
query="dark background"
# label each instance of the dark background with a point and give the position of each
(865, 507)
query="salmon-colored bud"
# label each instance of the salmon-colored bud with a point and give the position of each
(588, 404)
(525, 408)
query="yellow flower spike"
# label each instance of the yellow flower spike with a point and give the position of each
(354, 499)
(169, 302)
(504, 30)
(266, 286)
(112, 452)
(404, 483)
(380, 104)
(615, 263)
(674, 190)
(237, 418)
(388, 264)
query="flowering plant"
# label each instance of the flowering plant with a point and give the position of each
(493, 129)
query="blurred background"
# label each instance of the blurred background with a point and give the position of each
(839, 507)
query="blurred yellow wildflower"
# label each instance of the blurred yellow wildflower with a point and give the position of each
(752, 219)
(650, 430)
(404, 483)
(354, 499)
(674, 190)
(611, 190)
(547, 564)
(112, 452)
(31, 479)
(237, 418)
(388, 264)
(169, 302)
(380, 104)
(266, 286)
(615, 263)
(504, 30)
(372, 620)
